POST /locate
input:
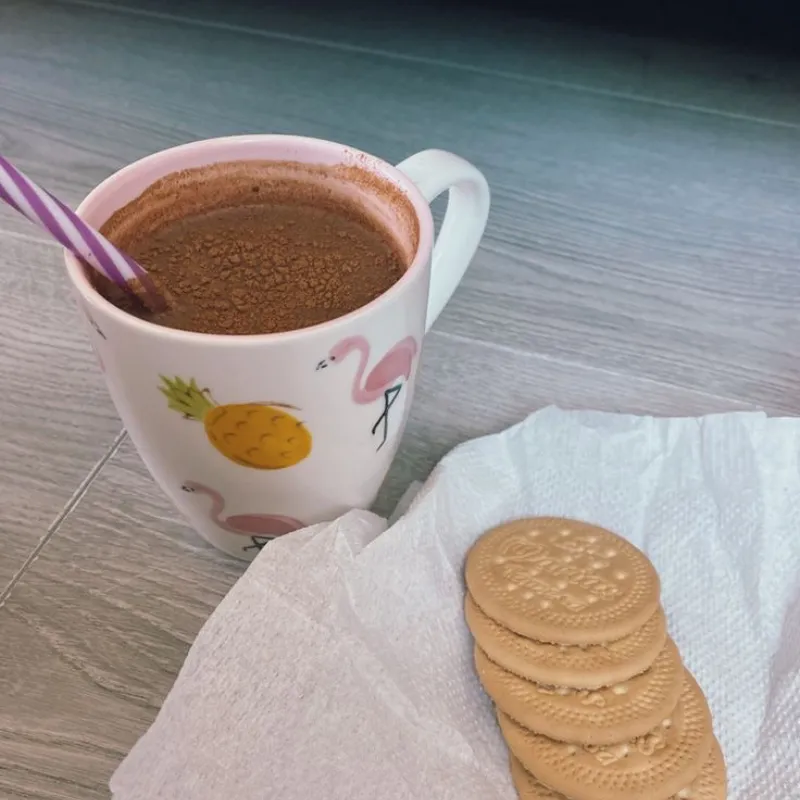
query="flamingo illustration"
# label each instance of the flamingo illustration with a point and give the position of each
(261, 528)
(385, 379)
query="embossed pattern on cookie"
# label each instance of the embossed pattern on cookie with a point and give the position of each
(652, 767)
(710, 784)
(588, 717)
(562, 581)
(577, 666)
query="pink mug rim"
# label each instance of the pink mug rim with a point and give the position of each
(347, 155)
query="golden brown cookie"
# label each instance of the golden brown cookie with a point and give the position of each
(710, 784)
(580, 716)
(587, 667)
(528, 788)
(651, 767)
(562, 581)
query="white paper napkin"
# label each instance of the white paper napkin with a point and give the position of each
(339, 667)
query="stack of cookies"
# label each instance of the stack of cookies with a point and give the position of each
(591, 694)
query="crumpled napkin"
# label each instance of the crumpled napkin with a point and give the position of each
(340, 667)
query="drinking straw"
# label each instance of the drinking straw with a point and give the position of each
(63, 224)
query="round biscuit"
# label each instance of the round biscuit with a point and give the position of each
(579, 667)
(710, 784)
(652, 767)
(528, 788)
(607, 716)
(562, 581)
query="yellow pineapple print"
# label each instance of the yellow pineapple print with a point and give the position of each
(254, 435)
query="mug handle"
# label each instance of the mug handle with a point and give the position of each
(433, 171)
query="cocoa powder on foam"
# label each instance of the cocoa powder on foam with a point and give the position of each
(260, 247)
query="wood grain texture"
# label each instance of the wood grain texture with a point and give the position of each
(57, 420)
(491, 40)
(643, 239)
(98, 627)
(454, 402)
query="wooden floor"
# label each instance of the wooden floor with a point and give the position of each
(641, 256)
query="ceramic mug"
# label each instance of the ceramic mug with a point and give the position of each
(255, 436)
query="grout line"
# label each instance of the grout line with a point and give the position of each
(457, 337)
(68, 508)
(427, 60)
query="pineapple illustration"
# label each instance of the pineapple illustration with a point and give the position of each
(257, 435)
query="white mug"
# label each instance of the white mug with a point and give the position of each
(255, 436)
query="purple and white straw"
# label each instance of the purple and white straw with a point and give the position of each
(41, 208)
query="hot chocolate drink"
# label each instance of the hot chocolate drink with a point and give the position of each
(252, 247)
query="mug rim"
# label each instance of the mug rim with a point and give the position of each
(422, 210)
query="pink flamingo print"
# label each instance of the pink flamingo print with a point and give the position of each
(385, 379)
(259, 527)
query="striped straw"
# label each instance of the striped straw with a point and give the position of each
(41, 208)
